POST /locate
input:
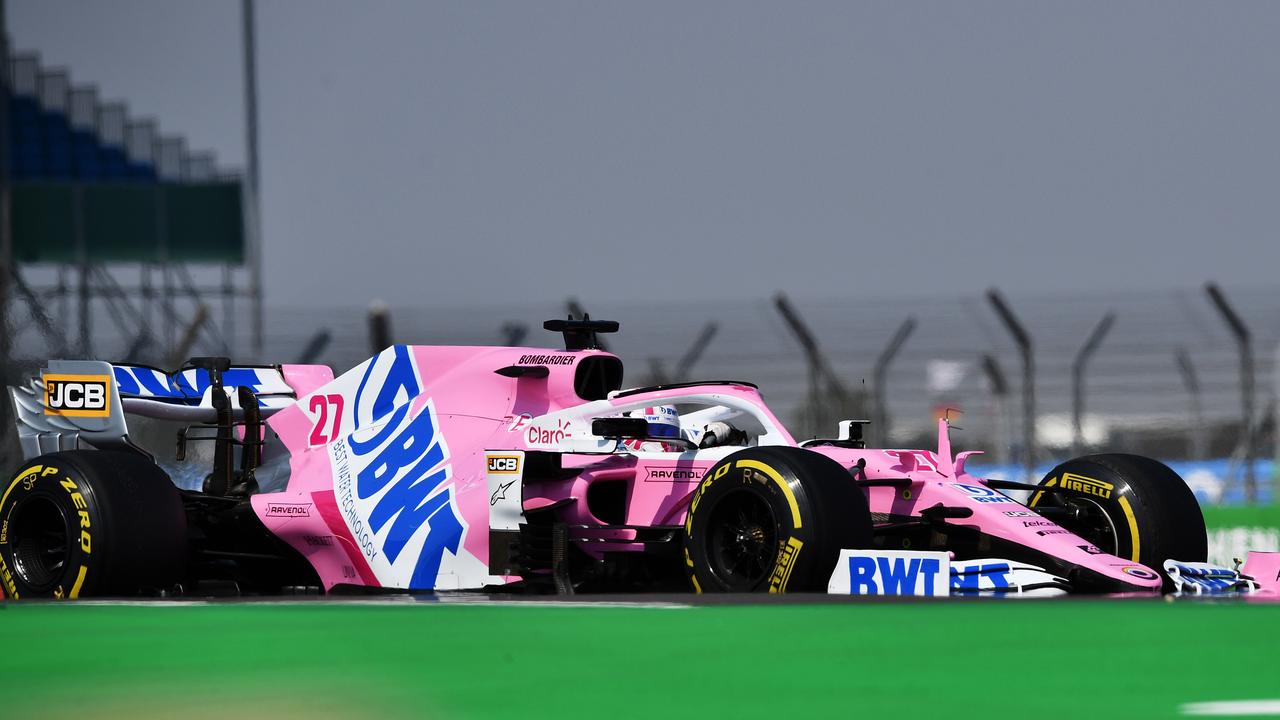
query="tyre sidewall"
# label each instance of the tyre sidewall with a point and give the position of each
(1155, 515)
(124, 515)
(60, 482)
(810, 530)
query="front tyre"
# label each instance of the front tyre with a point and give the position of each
(773, 519)
(1128, 506)
(90, 523)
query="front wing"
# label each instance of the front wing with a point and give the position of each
(936, 574)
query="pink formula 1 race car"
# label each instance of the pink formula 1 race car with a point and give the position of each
(487, 468)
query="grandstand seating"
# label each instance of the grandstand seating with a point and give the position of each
(92, 184)
(46, 146)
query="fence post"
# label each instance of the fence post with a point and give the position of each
(1077, 379)
(1196, 436)
(691, 356)
(999, 390)
(1023, 340)
(315, 347)
(1244, 346)
(513, 333)
(879, 379)
(379, 326)
(819, 370)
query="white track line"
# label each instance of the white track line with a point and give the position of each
(1233, 708)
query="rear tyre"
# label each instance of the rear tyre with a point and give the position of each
(1129, 506)
(90, 524)
(773, 519)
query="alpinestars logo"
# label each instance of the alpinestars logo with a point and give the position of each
(500, 493)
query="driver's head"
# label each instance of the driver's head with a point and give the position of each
(664, 421)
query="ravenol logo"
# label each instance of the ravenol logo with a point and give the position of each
(77, 395)
(890, 572)
(403, 476)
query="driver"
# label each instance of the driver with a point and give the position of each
(664, 422)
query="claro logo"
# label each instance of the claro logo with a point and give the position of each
(77, 395)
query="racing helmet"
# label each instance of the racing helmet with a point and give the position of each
(663, 420)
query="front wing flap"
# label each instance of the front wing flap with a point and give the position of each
(935, 574)
(1199, 578)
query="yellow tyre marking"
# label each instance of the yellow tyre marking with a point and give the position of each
(786, 562)
(75, 589)
(1133, 526)
(1036, 498)
(786, 489)
(696, 587)
(20, 478)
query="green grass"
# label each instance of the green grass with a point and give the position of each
(1242, 516)
(1034, 659)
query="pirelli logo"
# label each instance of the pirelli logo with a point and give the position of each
(77, 395)
(504, 464)
(1086, 485)
(786, 561)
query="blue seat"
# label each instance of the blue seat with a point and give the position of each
(115, 164)
(24, 110)
(142, 171)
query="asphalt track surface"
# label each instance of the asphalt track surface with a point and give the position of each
(640, 657)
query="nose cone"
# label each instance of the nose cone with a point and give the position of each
(1082, 562)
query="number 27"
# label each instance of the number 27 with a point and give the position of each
(321, 404)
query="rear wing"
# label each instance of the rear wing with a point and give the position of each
(74, 400)
(149, 391)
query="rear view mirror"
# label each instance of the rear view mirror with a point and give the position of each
(623, 427)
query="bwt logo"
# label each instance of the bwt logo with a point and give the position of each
(504, 464)
(976, 577)
(403, 477)
(893, 576)
(390, 381)
(77, 395)
(982, 494)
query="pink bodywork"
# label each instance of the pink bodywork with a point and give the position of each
(478, 410)
(935, 481)
(1264, 568)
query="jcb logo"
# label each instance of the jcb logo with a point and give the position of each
(77, 395)
(504, 464)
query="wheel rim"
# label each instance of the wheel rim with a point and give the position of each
(1091, 523)
(41, 546)
(742, 540)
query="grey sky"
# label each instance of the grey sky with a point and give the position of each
(451, 153)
